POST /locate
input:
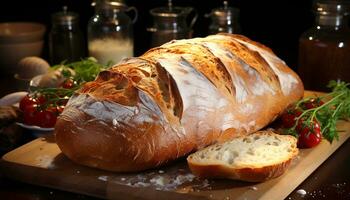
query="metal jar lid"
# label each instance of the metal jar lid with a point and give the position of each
(332, 7)
(224, 13)
(117, 4)
(170, 11)
(65, 18)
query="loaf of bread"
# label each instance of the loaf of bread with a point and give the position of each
(257, 157)
(173, 100)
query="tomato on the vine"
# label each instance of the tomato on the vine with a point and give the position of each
(68, 84)
(36, 112)
(312, 103)
(309, 134)
(288, 118)
(30, 114)
(63, 101)
(27, 101)
(46, 118)
(60, 109)
(40, 99)
(30, 100)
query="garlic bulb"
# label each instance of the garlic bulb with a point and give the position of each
(30, 67)
(51, 79)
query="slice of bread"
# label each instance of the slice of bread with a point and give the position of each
(255, 158)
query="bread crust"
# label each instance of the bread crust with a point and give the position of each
(173, 100)
(252, 173)
(244, 174)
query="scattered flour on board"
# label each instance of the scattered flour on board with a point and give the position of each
(159, 180)
(301, 192)
(103, 178)
(45, 161)
(167, 179)
(253, 188)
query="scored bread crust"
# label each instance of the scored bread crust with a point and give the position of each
(252, 173)
(173, 100)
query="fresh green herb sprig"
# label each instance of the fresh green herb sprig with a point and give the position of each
(78, 72)
(336, 106)
(84, 71)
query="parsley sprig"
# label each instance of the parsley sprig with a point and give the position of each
(78, 72)
(336, 107)
(84, 71)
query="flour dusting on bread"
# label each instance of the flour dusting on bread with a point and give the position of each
(175, 99)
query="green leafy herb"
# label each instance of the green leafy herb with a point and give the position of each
(85, 70)
(77, 72)
(336, 107)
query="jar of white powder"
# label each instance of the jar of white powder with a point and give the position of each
(110, 32)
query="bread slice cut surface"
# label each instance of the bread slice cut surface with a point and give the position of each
(257, 157)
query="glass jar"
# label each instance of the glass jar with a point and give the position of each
(324, 49)
(224, 19)
(66, 41)
(110, 32)
(171, 23)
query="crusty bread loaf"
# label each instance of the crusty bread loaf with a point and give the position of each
(257, 157)
(173, 100)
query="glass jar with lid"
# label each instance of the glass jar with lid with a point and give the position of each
(224, 19)
(110, 31)
(324, 49)
(66, 41)
(171, 23)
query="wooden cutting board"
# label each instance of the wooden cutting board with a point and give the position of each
(41, 162)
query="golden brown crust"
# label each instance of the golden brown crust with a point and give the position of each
(251, 173)
(173, 100)
(244, 174)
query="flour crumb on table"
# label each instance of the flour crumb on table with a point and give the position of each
(253, 188)
(45, 161)
(103, 178)
(301, 192)
(159, 181)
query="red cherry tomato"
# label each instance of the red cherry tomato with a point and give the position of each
(46, 118)
(312, 103)
(68, 84)
(30, 114)
(40, 99)
(27, 101)
(60, 109)
(63, 101)
(309, 134)
(53, 109)
(288, 118)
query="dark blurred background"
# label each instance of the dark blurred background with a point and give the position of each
(277, 24)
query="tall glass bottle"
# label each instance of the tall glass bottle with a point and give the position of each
(324, 49)
(66, 41)
(110, 32)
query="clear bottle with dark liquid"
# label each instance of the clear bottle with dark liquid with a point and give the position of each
(324, 50)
